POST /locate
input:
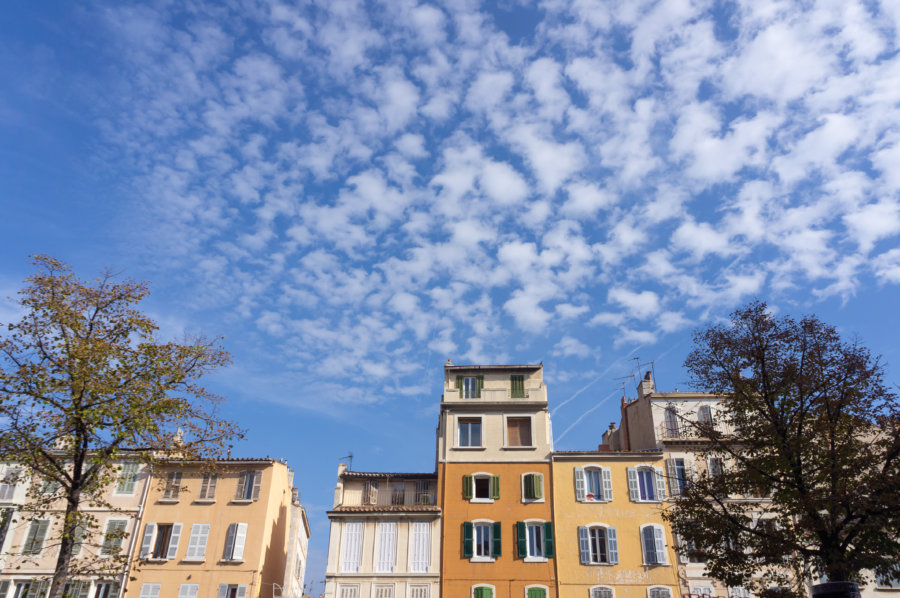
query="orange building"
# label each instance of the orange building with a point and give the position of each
(493, 463)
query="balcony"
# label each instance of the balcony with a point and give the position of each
(690, 431)
(500, 394)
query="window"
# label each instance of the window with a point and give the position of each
(248, 485)
(601, 592)
(533, 486)
(653, 545)
(370, 493)
(106, 589)
(348, 591)
(196, 550)
(127, 480)
(658, 592)
(881, 581)
(387, 546)
(678, 472)
(160, 541)
(50, 487)
(208, 487)
(384, 591)
(534, 539)
(481, 487)
(689, 552)
(6, 516)
(739, 592)
(703, 590)
(353, 531)
(150, 590)
(518, 431)
(671, 422)
(470, 386)
(704, 415)
(76, 589)
(8, 483)
(598, 545)
(423, 493)
(419, 591)
(234, 542)
(536, 592)
(421, 546)
(398, 493)
(77, 539)
(517, 387)
(482, 592)
(481, 540)
(112, 539)
(31, 589)
(714, 466)
(646, 484)
(34, 540)
(173, 485)
(231, 591)
(188, 590)
(593, 484)
(469, 431)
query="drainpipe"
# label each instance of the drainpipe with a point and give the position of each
(137, 529)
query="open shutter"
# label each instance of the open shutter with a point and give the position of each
(147, 541)
(223, 591)
(579, 484)
(607, 483)
(480, 385)
(173, 541)
(521, 539)
(4, 588)
(240, 538)
(584, 545)
(229, 542)
(495, 487)
(660, 544)
(496, 546)
(257, 482)
(459, 385)
(242, 591)
(688, 471)
(538, 485)
(468, 532)
(672, 474)
(648, 546)
(467, 484)
(548, 539)
(633, 490)
(612, 545)
(242, 481)
(660, 483)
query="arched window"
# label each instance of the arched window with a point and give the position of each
(482, 591)
(601, 592)
(646, 484)
(653, 544)
(598, 545)
(659, 592)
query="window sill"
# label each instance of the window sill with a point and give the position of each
(482, 559)
(656, 564)
(598, 564)
(594, 502)
(531, 500)
(535, 559)
(518, 448)
(167, 501)
(187, 560)
(232, 561)
(154, 560)
(241, 501)
(481, 500)
(204, 501)
(468, 448)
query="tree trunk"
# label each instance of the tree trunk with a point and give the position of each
(61, 573)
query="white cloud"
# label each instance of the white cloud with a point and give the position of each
(571, 347)
(642, 305)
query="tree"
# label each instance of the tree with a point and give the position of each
(809, 435)
(85, 383)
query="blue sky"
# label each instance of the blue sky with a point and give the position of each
(353, 192)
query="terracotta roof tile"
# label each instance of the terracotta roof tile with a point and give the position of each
(378, 474)
(387, 509)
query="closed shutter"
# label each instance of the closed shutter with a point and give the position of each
(127, 479)
(384, 591)
(240, 538)
(173, 541)
(223, 591)
(387, 546)
(150, 590)
(483, 592)
(480, 382)
(421, 546)
(208, 486)
(601, 593)
(633, 490)
(495, 487)
(112, 543)
(468, 542)
(228, 554)
(660, 544)
(197, 542)
(496, 546)
(415, 591)
(459, 385)
(584, 545)
(579, 484)
(521, 539)
(660, 483)
(147, 540)
(607, 483)
(34, 541)
(4, 588)
(536, 593)
(241, 485)
(612, 545)
(672, 474)
(548, 539)
(188, 590)
(517, 387)
(352, 546)
(468, 485)
(648, 545)
(242, 591)
(257, 482)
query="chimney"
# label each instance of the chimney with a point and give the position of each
(646, 386)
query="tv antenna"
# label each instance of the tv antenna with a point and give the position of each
(350, 463)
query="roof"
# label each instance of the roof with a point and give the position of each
(526, 367)
(654, 453)
(387, 509)
(379, 474)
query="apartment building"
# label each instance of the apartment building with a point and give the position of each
(493, 460)
(385, 536)
(220, 531)
(611, 540)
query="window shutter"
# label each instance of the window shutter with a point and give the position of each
(4, 588)
(188, 590)
(606, 474)
(579, 484)
(536, 593)
(584, 545)
(459, 385)
(648, 545)
(538, 485)
(223, 591)
(479, 386)
(660, 544)
(688, 471)
(517, 387)
(147, 540)
(682, 547)
(197, 541)
(149, 590)
(257, 482)
(660, 478)
(387, 546)
(495, 487)
(672, 474)
(521, 539)
(173, 541)
(496, 547)
(421, 531)
(468, 531)
(242, 591)
(240, 538)
(548, 539)
(242, 481)
(468, 484)
(633, 489)
(612, 545)
(229, 542)
(208, 487)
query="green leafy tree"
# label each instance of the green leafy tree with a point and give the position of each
(809, 436)
(84, 385)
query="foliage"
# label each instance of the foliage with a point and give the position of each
(85, 386)
(810, 439)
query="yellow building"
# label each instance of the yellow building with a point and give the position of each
(225, 533)
(611, 541)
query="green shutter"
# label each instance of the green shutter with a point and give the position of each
(536, 593)
(468, 532)
(538, 485)
(521, 539)
(479, 386)
(467, 487)
(548, 539)
(459, 385)
(496, 548)
(495, 487)
(529, 485)
(517, 387)
(483, 593)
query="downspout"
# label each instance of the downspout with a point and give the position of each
(137, 529)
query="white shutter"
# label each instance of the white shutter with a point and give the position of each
(150, 590)
(147, 542)
(612, 545)
(242, 591)
(421, 546)
(660, 483)
(660, 544)
(223, 591)
(257, 482)
(579, 484)
(352, 546)
(188, 590)
(415, 591)
(197, 542)
(229, 542)
(584, 545)
(240, 538)
(241, 485)
(633, 490)
(349, 592)
(384, 591)
(607, 483)
(672, 474)
(387, 546)
(173, 541)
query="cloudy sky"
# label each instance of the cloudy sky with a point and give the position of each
(353, 192)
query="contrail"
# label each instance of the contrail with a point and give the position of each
(585, 414)
(592, 382)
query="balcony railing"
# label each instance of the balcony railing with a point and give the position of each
(502, 394)
(685, 430)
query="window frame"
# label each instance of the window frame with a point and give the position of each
(252, 489)
(117, 491)
(659, 587)
(458, 435)
(612, 591)
(520, 447)
(658, 477)
(611, 541)
(172, 486)
(495, 547)
(103, 544)
(489, 526)
(345, 535)
(605, 474)
(541, 525)
(482, 475)
(525, 499)
(470, 393)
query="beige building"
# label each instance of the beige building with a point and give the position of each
(236, 531)
(385, 536)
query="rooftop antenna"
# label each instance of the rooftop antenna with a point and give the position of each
(350, 459)
(630, 376)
